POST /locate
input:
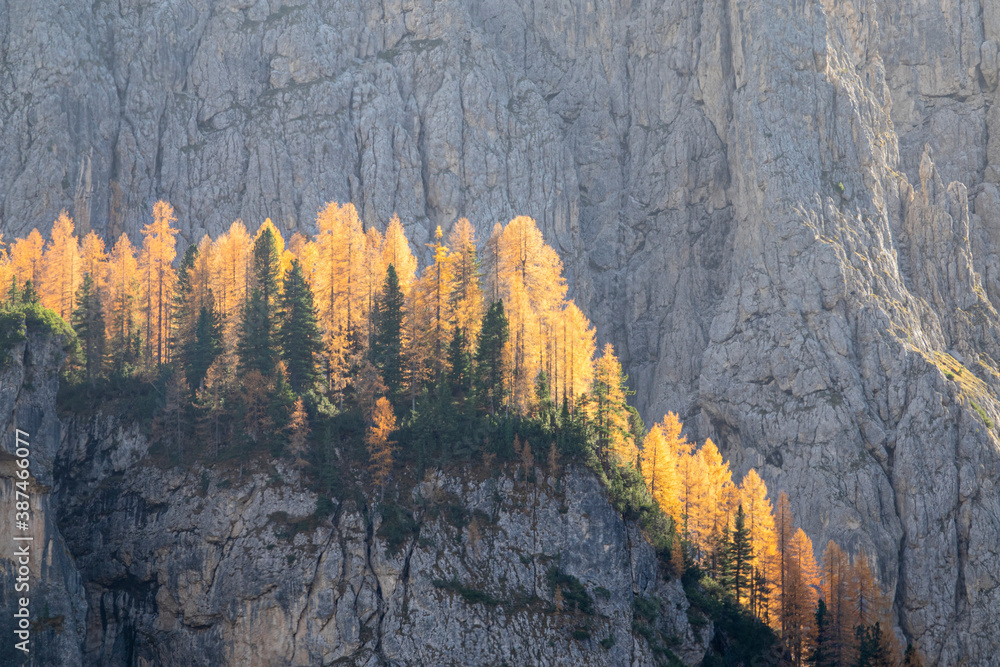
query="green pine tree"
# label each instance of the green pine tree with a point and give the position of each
(184, 319)
(741, 556)
(203, 347)
(459, 363)
(88, 322)
(255, 346)
(387, 345)
(823, 654)
(873, 646)
(489, 377)
(298, 333)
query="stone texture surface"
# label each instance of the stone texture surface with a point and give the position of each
(205, 568)
(29, 379)
(784, 215)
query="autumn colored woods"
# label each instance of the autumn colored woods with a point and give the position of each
(340, 352)
(751, 547)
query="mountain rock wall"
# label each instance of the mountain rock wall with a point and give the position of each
(785, 215)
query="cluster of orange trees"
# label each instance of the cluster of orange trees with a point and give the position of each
(345, 268)
(355, 318)
(825, 614)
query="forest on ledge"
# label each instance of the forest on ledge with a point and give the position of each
(337, 353)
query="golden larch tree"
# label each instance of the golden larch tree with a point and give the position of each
(607, 408)
(840, 607)
(159, 248)
(436, 287)
(121, 295)
(373, 275)
(231, 254)
(711, 506)
(532, 288)
(801, 584)
(62, 268)
(338, 287)
(396, 251)
(760, 522)
(467, 295)
(659, 469)
(380, 447)
(94, 259)
(578, 347)
(6, 272)
(784, 526)
(26, 258)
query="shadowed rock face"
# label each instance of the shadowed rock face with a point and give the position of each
(752, 199)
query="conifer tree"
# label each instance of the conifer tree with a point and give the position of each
(232, 253)
(752, 495)
(387, 345)
(158, 279)
(26, 258)
(467, 295)
(94, 259)
(204, 347)
(459, 364)
(123, 285)
(256, 346)
(380, 448)
(62, 266)
(837, 593)
(298, 333)
(88, 323)
(824, 653)
(659, 469)
(609, 411)
(490, 370)
(742, 556)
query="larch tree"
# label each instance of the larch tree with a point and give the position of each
(532, 287)
(609, 411)
(760, 522)
(578, 348)
(94, 259)
(659, 469)
(380, 447)
(122, 301)
(338, 288)
(26, 258)
(802, 582)
(467, 295)
(158, 279)
(784, 526)
(232, 257)
(839, 606)
(491, 263)
(8, 280)
(713, 497)
(436, 287)
(396, 251)
(62, 268)
(373, 277)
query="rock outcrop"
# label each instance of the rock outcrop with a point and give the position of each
(785, 215)
(29, 379)
(137, 564)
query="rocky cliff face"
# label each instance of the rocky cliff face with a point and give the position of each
(29, 378)
(785, 215)
(141, 565)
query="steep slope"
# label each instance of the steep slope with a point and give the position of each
(751, 196)
(234, 565)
